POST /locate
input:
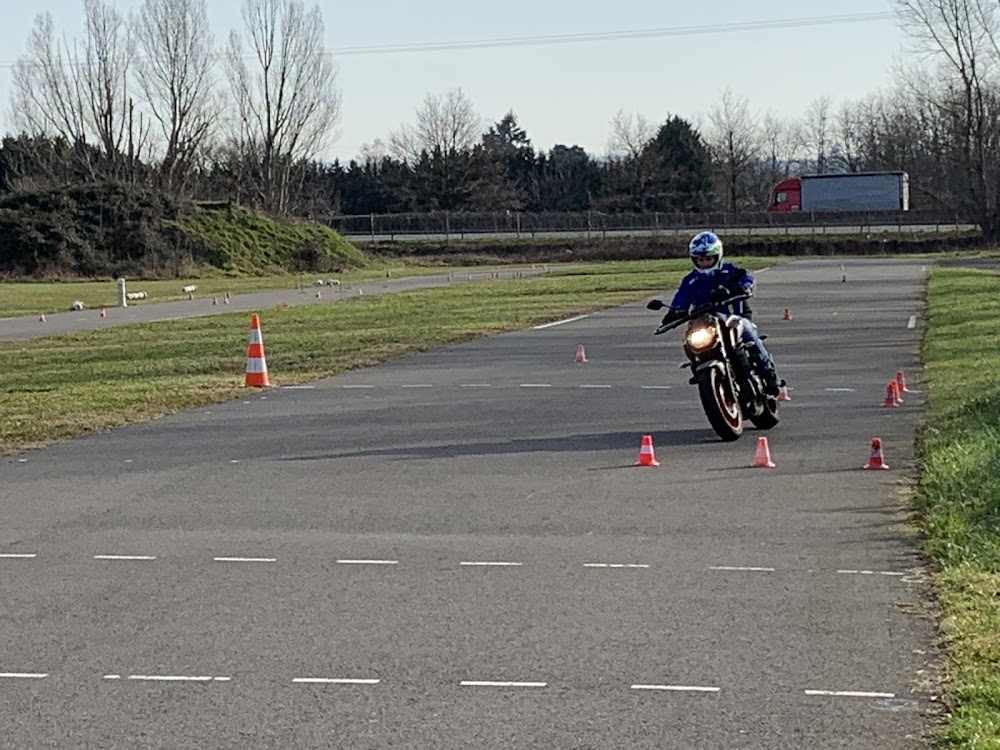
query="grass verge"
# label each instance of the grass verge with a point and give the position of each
(959, 494)
(62, 386)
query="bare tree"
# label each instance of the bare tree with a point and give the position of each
(736, 143)
(816, 131)
(286, 100)
(174, 68)
(959, 38)
(448, 124)
(628, 144)
(81, 92)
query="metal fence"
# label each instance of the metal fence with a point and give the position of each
(460, 225)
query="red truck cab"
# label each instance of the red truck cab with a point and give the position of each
(786, 195)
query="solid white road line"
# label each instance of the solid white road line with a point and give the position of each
(501, 683)
(679, 688)
(614, 565)
(24, 675)
(368, 562)
(334, 681)
(246, 559)
(849, 694)
(124, 557)
(560, 322)
(740, 568)
(490, 564)
(17, 556)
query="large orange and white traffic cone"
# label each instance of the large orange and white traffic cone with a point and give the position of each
(646, 455)
(876, 460)
(581, 354)
(762, 455)
(256, 369)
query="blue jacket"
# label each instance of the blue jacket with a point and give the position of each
(696, 288)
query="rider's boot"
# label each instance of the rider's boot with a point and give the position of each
(770, 377)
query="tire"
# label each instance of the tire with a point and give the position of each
(769, 418)
(721, 408)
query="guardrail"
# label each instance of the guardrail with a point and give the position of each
(464, 225)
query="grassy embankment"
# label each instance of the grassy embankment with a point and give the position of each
(958, 497)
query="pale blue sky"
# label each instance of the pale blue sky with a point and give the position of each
(563, 93)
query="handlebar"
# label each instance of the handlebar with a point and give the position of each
(699, 311)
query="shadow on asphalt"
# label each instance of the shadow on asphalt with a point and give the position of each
(584, 443)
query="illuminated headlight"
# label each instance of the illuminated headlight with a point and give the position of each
(701, 338)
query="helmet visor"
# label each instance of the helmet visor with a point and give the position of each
(704, 261)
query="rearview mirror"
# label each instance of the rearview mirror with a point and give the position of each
(655, 304)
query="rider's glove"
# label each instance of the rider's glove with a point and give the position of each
(720, 293)
(671, 316)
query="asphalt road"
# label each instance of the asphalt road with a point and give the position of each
(454, 550)
(147, 311)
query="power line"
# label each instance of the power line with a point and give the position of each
(604, 36)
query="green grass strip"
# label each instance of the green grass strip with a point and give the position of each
(959, 494)
(63, 386)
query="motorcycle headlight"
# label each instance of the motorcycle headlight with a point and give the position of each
(700, 336)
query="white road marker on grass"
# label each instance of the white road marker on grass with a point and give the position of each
(560, 322)
(501, 683)
(334, 681)
(245, 559)
(679, 688)
(849, 694)
(124, 557)
(741, 568)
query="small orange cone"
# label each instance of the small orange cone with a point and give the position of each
(892, 398)
(843, 279)
(104, 312)
(762, 456)
(256, 368)
(901, 382)
(783, 393)
(581, 354)
(41, 317)
(786, 315)
(646, 456)
(876, 460)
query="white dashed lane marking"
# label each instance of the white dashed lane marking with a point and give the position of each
(679, 688)
(245, 559)
(536, 385)
(476, 385)
(595, 386)
(849, 694)
(168, 678)
(502, 683)
(487, 564)
(17, 556)
(559, 322)
(124, 557)
(741, 568)
(615, 565)
(871, 573)
(23, 675)
(334, 681)
(368, 562)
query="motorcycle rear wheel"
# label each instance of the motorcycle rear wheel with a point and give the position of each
(720, 404)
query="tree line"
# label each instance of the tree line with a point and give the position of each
(150, 99)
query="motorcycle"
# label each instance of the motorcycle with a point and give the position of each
(731, 390)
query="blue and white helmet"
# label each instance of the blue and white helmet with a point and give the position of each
(706, 244)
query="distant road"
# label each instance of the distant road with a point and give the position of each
(849, 229)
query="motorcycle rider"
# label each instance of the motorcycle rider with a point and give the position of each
(713, 280)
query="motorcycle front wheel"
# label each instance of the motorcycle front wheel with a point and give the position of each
(719, 403)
